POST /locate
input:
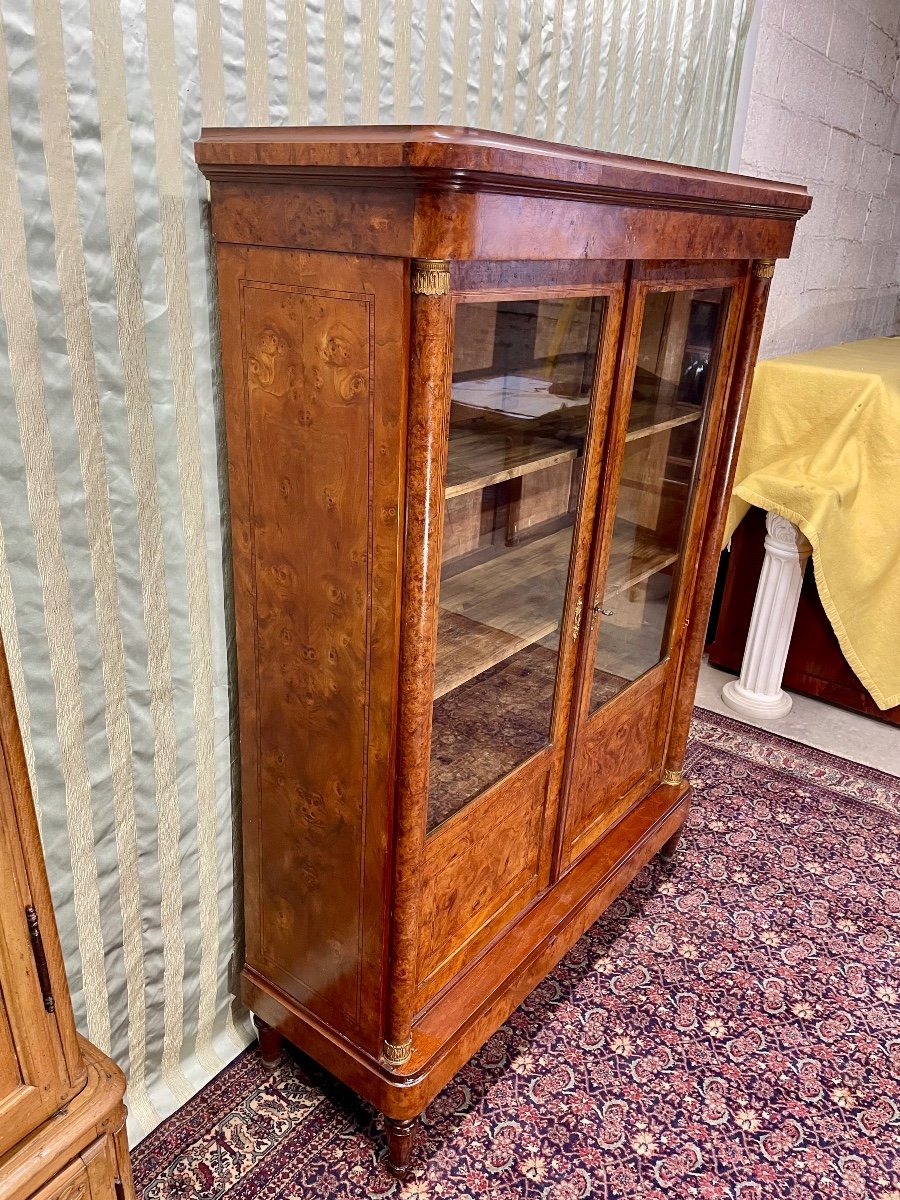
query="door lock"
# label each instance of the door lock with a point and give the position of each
(576, 628)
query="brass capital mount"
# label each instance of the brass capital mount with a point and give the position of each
(430, 277)
(397, 1055)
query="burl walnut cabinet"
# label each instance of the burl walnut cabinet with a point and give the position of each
(62, 1120)
(482, 399)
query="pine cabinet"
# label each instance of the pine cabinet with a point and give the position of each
(44, 1066)
(35, 1078)
(482, 398)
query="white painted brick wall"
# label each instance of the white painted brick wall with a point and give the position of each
(823, 111)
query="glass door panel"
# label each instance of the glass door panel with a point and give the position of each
(522, 377)
(680, 334)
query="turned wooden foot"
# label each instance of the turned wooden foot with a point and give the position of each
(667, 851)
(401, 1137)
(270, 1043)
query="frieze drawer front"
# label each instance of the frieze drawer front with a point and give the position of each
(483, 398)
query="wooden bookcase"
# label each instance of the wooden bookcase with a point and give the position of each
(482, 396)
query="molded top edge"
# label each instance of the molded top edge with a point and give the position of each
(471, 155)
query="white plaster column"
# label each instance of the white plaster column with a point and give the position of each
(758, 692)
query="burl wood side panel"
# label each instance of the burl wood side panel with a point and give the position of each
(309, 412)
(313, 394)
(362, 220)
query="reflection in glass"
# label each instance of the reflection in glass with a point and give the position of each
(675, 364)
(522, 378)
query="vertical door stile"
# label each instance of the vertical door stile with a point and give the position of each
(747, 338)
(430, 354)
(609, 368)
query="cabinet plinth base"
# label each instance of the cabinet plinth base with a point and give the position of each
(477, 1002)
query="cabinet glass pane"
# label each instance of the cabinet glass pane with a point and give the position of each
(673, 380)
(522, 378)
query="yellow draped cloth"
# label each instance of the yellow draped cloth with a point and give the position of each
(822, 448)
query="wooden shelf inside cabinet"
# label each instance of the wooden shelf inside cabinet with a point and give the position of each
(648, 417)
(466, 648)
(478, 459)
(494, 610)
(499, 607)
(635, 559)
(513, 426)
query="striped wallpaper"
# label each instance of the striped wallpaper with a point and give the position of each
(113, 601)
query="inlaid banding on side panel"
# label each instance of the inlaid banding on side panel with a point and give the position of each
(308, 373)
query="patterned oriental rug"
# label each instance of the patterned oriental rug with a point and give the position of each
(729, 1028)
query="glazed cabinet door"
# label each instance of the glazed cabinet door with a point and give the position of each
(681, 324)
(530, 386)
(34, 1081)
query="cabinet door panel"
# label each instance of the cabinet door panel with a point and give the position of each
(524, 375)
(670, 407)
(530, 393)
(481, 868)
(620, 746)
(74, 1183)
(667, 413)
